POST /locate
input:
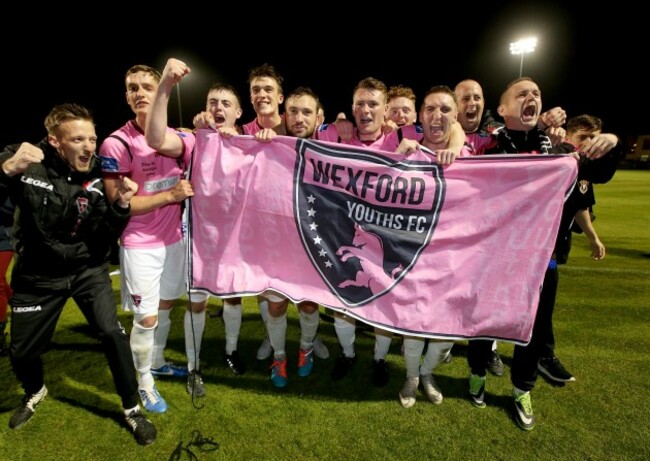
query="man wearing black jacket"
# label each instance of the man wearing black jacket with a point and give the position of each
(520, 107)
(63, 232)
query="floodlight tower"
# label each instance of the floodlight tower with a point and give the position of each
(523, 46)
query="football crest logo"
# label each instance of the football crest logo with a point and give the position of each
(82, 205)
(364, 218)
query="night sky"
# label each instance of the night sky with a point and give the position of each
(585, 61)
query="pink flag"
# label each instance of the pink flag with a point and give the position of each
(403, 244)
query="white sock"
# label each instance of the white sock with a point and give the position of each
(263, 304)
(128, 411)
(160, 338)
(383, 339)
(518, 392)
(193, 338)
(436, 352)
(413, 348)
(277, 329)
(232, 315)
(308, 328)
(345, 331)
(142, 348)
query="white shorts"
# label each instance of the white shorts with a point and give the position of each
(273, 296)
(198, 296)
(151, 274)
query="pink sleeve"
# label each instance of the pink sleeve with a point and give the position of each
(327, 132)
(114, 156)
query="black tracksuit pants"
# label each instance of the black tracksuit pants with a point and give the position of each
(523, 371)
(36, 308)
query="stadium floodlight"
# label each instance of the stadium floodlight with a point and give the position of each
(523, 46)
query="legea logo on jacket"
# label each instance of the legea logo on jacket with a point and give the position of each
(21, 309)
(37, 183)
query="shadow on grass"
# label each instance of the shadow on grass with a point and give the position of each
(87, 401)
(74, 356)
(627, 253)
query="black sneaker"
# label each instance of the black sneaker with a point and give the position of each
(380, 373)
(143, 430)
(233, 361)
(553, 370)
(26, 410)
(495, 365)
(342, 367)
